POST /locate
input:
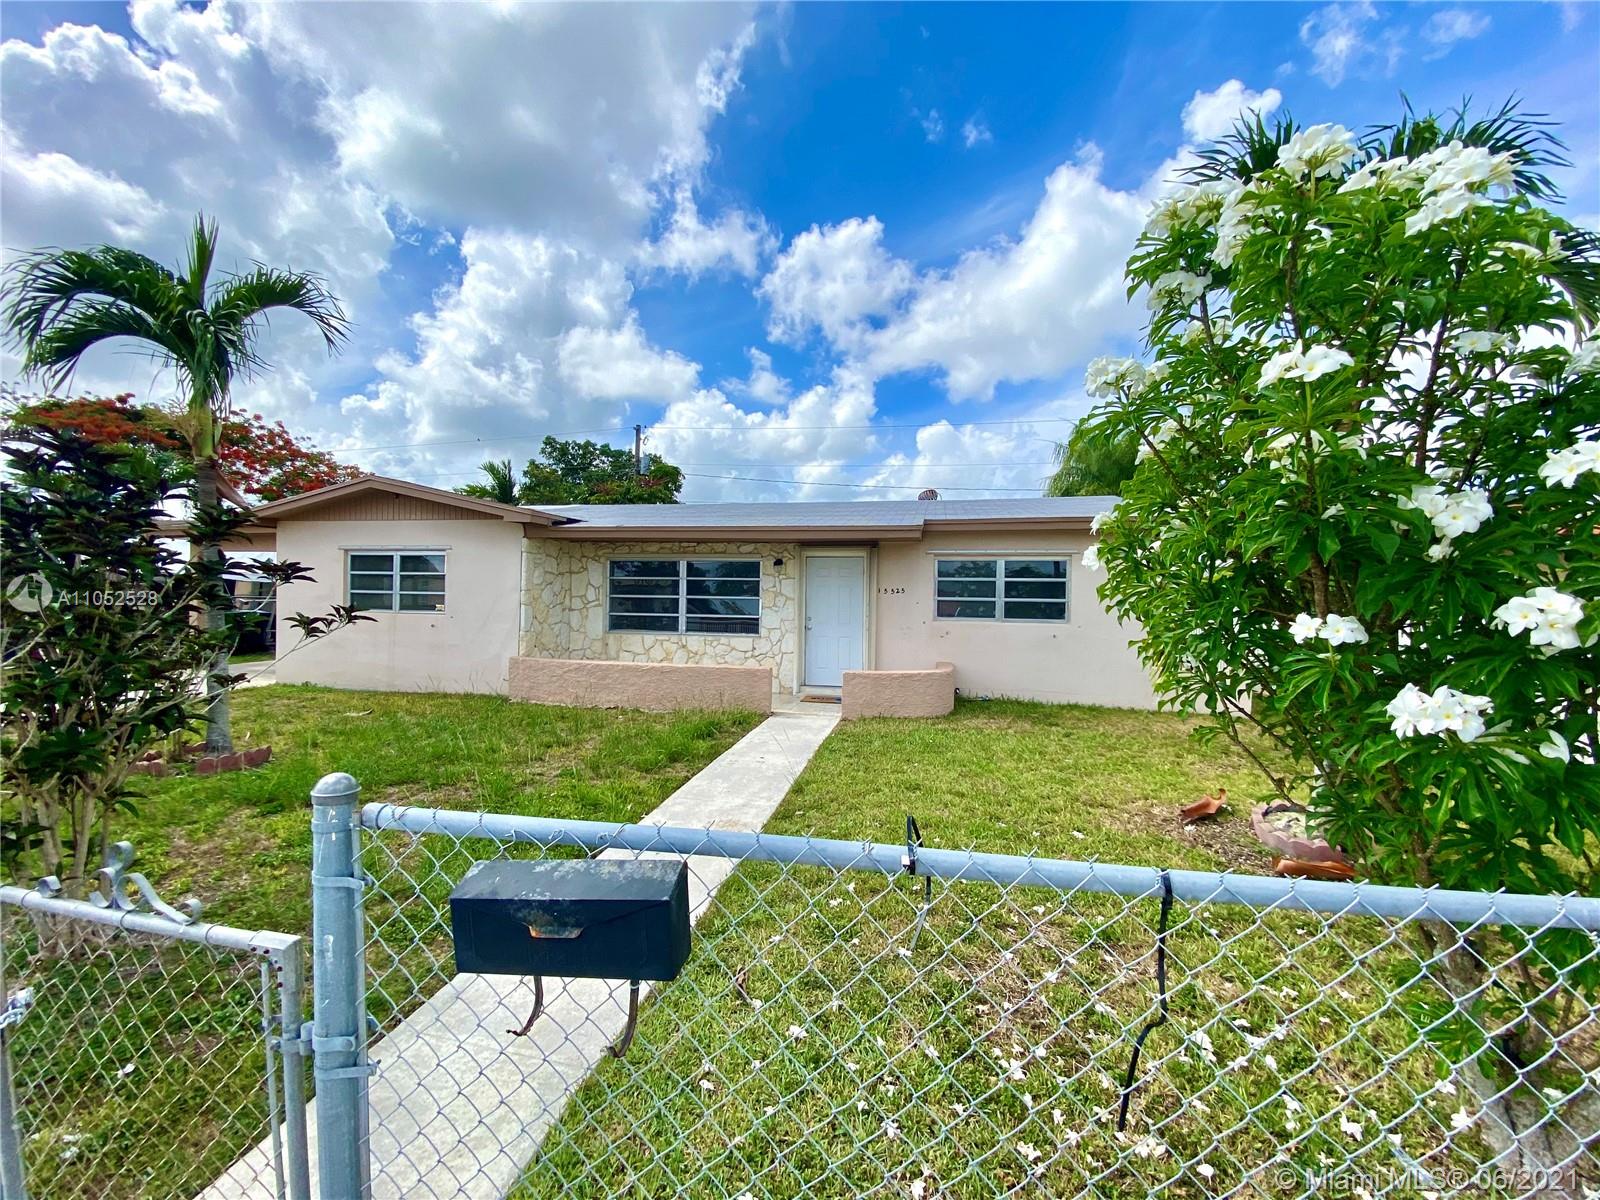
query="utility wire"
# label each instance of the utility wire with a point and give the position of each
(525, 437)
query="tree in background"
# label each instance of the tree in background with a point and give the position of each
(104, 654)
(501, 484)
(579, 472)
(1365, 525)
(61, 303)
(1093, 461)
(263, 460)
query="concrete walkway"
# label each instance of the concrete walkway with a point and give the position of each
(458, 1106)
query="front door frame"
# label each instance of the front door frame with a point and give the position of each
(868, 576)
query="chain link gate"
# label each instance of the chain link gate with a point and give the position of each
(870, 1019)
(124, 1011)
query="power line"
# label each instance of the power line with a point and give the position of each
(814, 428)
(478, 441)
(525, 437)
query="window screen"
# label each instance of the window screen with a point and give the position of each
(1001, 589)
(684, 595)
(396, 581)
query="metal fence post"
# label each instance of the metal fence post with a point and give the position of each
(12, 1184)
(338, 1030)
(290, 986)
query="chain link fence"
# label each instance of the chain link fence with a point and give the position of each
(145, 1048)
(868, 1019)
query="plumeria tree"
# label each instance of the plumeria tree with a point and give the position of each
(1363, 538)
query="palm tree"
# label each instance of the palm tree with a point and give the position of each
(1093, 461)
(502, 484)
(62, 302)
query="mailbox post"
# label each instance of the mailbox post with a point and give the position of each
(608, 918)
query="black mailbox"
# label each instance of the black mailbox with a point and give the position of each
(606, 918)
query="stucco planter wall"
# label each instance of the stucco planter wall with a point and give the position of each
(930, 693)
(657, 687)
(564, 607)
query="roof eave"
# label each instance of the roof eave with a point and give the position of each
(731, 533)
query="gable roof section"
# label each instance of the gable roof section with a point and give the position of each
(305, 503)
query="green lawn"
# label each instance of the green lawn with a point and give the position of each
(139, 1071)
(815, 1046)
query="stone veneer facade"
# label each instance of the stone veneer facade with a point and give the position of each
(564, 607)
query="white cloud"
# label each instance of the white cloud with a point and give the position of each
(1344, 37)
(493, 356)
(562, 118)
(808, 439)
(536, 144)
(932, 124)
(736, 240)
(975, 131)
(1025, 308)
(1448, 26)
(1210, 115)
(833, 278)
(620, 364)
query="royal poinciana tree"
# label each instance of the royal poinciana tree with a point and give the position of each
(62, 303)
(104, 653)
(262, 459)
(1363, 538)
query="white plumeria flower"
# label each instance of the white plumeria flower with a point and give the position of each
(1549, 618)
(1233, 225)
(1446, 206)
(1414, 711)
(1159, 437)
(1341, 631)
(1177, 285)
(1305, 626)
(1459, 712)
(1300, 363)
(1091, 558)
(1452, 513)
(1556, 747)
(1108, 376)
(1321, 150)
(1462, 512)
(1477, 341)
(1440, 550)
(1564, 467)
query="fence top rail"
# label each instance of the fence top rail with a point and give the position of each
(1257, 891)
(268, 942)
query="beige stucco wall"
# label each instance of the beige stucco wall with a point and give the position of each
(466, 648)
(930, 693)
(1087, 660)
(563, 612)
(658, 687)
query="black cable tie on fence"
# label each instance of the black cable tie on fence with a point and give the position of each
(1161, 993)
(908, 861)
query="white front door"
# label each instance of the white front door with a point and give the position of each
(835, 618)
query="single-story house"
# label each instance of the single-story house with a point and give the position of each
(891, 604)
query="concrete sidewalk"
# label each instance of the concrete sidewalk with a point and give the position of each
(458, 1106)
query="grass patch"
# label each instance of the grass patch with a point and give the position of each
(140, 1071)
(819, 1045)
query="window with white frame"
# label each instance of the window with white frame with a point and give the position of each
(684, 595)
(395, 580)
(1001, 589)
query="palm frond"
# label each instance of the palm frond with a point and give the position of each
(502, 483)
(1095, 460)
(241, 304)
(44, 284)
(1527, 137)
(1250, 148)
(202, 253)
(54, 355)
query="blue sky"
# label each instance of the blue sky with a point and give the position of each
(868, 247)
